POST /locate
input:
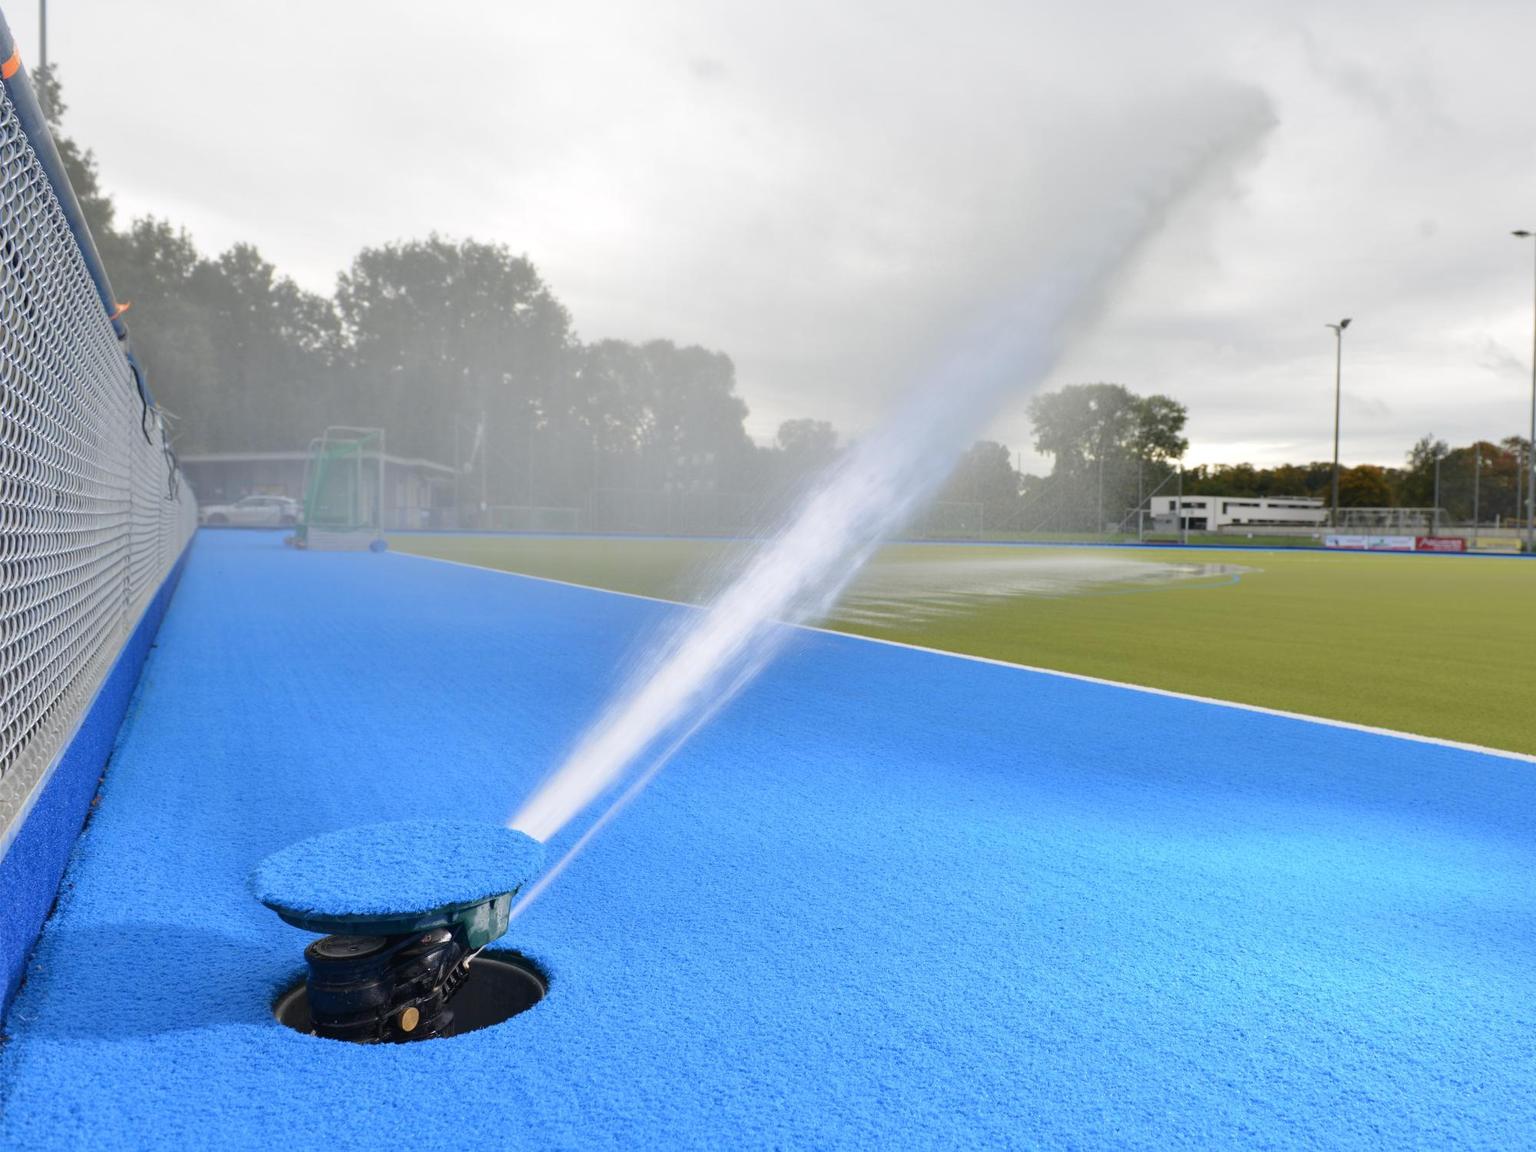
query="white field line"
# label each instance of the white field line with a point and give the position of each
(1462, 745)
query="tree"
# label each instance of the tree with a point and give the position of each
(1365, 486)
(811, 439)
(442, 333)
(1225, 480)
(1418, 484)
(662, 418)
(432, 340)
(1080, 423)
(985, 475)
(278, 350)
(1102, 438)
(1306, 480)
(1481, 477)
(692, 420)
(1519, 449)
(804, 449)
(1159, 426)
(1294, 480)
(79, 164)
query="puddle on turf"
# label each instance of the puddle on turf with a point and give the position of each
(909, 590)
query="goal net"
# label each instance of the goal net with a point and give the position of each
(949, 520)
(518, 518)
(343, 491)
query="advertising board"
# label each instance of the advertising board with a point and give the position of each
(1440, 544)
(1372, 543)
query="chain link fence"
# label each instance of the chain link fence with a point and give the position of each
(93, 514)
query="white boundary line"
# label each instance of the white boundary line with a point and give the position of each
(1460, 745)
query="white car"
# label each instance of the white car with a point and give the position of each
(252, 512)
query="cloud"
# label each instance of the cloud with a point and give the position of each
(1495, 358)
(830, 192)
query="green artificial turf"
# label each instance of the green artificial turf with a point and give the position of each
(1436, 645)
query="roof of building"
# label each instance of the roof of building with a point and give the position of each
(1295, 501)
(252, 457)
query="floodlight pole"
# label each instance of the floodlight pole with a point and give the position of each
(1183, 523)
(383, 477)
(1434, 516)
(1338, 378)
(1519, 480)
(1530, 462)
(1100, 526)
(42, 53)
(1477, 484)
(485, 464)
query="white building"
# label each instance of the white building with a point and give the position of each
(1215, 513)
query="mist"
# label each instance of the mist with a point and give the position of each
(872, 575)
(817, 195)
(1010, 343)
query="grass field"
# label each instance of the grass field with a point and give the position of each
(1439, 646)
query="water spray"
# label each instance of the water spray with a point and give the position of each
(869, 494)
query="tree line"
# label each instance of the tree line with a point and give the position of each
(462, 352)
(1112, 449)
(458, 348)
(1481, 479)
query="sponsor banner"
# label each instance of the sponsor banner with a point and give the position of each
(1440, 544)
(1372, 543)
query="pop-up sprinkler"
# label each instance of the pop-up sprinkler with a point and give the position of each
(406, 910)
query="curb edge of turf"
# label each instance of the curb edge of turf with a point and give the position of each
(1327, 721)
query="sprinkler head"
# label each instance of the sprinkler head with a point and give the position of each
(404, 910)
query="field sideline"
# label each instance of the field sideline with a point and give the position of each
(1437, 646)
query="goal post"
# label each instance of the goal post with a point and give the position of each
(344, 490)
(523, 518)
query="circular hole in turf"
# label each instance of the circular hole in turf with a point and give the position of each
(500, 985)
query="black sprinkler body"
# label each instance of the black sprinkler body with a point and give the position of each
(373, 989)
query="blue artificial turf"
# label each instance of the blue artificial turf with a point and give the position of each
(402, 866)
(32, 866)
(890, 899)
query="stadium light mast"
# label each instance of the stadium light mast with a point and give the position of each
(1530, 461)
(1183, 522)
(42, 54)
(1477, 484)
(1434, 516)
(1338, 377)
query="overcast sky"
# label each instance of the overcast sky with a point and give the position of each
(824, 190)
